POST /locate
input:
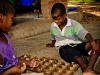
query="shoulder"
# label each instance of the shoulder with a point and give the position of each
(75, 23)
(52, 25)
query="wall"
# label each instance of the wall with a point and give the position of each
(46, 6)
(83, 1)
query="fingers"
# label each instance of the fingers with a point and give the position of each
(34, 62)
(48, 45)
(23, 67)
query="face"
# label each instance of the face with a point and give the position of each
(6, 22)
(58, 19)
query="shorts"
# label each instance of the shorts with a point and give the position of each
(69, 53)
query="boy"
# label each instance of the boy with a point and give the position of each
(9, 63)
(65, 34)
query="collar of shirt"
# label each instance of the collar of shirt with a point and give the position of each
(63, 30)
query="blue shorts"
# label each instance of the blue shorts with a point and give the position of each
(69, 53)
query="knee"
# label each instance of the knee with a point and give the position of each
(97, 40)
(88, 46)
(81, 60)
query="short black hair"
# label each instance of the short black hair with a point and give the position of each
(6, 7)
(58, 7)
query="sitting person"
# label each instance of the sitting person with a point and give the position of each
(65, 34)
(9, 63)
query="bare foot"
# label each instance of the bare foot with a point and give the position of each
(46, 74)
(90, 72)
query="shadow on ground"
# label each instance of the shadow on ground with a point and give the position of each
(17, 21)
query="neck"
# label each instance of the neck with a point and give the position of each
(65, 21)
(63, 24)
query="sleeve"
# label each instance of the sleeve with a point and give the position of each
(51, 32)
(80, 31)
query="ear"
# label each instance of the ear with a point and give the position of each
(1, 18)
(65, 15)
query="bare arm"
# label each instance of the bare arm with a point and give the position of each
(89, 37)
(31, 63)
(19, 69)
(51, 44)
(15, 70)
(24, 61)
(94, 43)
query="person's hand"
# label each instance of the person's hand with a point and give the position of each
(49, 45)
(19, 69)
(96, 46)
(15, 70)
(23, 67)
(90, 72)
(34, 62)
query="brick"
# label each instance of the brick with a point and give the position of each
(63, 0)
(45, 11)
(46, 6)
(44, 0)
(45, 3)
(56, 1)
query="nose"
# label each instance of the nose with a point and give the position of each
(56, 21)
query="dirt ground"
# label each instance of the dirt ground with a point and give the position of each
(36, 45)
(91, 13)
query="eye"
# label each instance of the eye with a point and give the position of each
(58, 18)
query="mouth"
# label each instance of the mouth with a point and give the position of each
(58, 23)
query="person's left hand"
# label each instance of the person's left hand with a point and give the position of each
(96, 46)
(34, 62)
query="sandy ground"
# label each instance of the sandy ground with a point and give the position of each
(36, 45)
(91, 12)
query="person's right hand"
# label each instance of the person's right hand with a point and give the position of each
(15, 70)
(34, 62)
(18, 69)
(23, 67)
(49, 45)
